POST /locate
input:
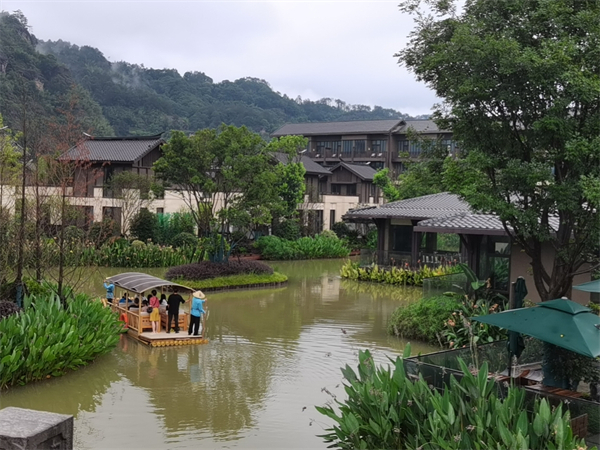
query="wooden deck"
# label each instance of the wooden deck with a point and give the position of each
(164, 339)
(139, 328)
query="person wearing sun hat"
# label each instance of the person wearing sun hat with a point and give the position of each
(196, 311)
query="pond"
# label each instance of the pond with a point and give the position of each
(273, 355)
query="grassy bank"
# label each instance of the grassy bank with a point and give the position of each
(234, 281)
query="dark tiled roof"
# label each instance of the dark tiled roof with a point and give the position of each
(358, 127)
(363, 171)
(113, 149)
(470, 223)
(426, 207)
(311, 167)
(338, 128)
(420, 126)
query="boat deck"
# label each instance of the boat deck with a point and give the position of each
(163, 339)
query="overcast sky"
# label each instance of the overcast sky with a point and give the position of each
(338, 49)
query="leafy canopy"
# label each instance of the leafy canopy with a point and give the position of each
(520, 86)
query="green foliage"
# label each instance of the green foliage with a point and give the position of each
(48, 340)
(101, 232)
(170, 225)
(234, 281)
(423, 320)
(143, 226)
(184, 239)
(394, 275)
(272, 247)
(519, 88)
(383, 181)
(460, 331)
(342, 231)
(385, 409)
(288, 229)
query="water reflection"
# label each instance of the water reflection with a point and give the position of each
(273, 355)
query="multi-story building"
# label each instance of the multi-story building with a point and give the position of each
(378, 143)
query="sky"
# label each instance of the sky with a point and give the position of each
(315, 49)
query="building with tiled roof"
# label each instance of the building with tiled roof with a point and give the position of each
(380, 143)
(408, 233)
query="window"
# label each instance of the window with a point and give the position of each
(331, 218)
(360, 147)
(403, 147)
(402, 238)
(330, 146)
(378, 146)
(160, 210)
(377, 165)
(494, 261)
(350, 189)
(347, 147)
(336, 189)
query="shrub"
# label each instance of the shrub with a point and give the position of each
(184, 238)
(385, 409)
(101, 232)
(171, 224)
(423, 320)
(208, 269)
(138, 244)
(328, 234)
(459, 329)
(8, 309)
(47, 340)
(287, 229)
(143, 225)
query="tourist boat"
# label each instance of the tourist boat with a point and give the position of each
(137, 323)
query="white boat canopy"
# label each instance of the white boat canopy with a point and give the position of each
(141, 282)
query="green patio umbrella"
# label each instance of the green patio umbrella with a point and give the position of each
(590, 286)
(560, 322)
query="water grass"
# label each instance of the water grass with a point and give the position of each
(234, 281)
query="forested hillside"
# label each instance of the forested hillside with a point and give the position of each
(124, 99)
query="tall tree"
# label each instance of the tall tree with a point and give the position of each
(520, 86)
(223, 176)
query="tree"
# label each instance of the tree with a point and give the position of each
(134, 192)
(224, 176)
(423, 175)
(290, 174)
(520, 86)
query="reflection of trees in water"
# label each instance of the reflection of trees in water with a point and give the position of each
(213, 387)
(77, 391)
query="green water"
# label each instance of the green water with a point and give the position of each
(273, 355)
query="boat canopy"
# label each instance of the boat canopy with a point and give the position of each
(140, 282)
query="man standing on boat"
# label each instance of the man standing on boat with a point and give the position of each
(110, 290)
(173, 303)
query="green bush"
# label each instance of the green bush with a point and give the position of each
(274, 248)
(459, 329)
(395, 275)
(143, 226)
(385, 409)
(47, 339)
(423, 320)
(287, 229)
(171, 224)
(234, 281)
(184, 238)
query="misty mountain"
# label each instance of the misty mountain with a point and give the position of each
(126, 99)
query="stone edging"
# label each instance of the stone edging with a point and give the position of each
(246, 286)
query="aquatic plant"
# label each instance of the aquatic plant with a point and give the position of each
(394, 275)
(386, 409)
(274, 248)
(47, 340)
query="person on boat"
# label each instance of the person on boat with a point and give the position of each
(173, 303)
(135, 304)
(144, 306)
(110, 290)
(123, 299)
(196, 311)
(154, 315)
